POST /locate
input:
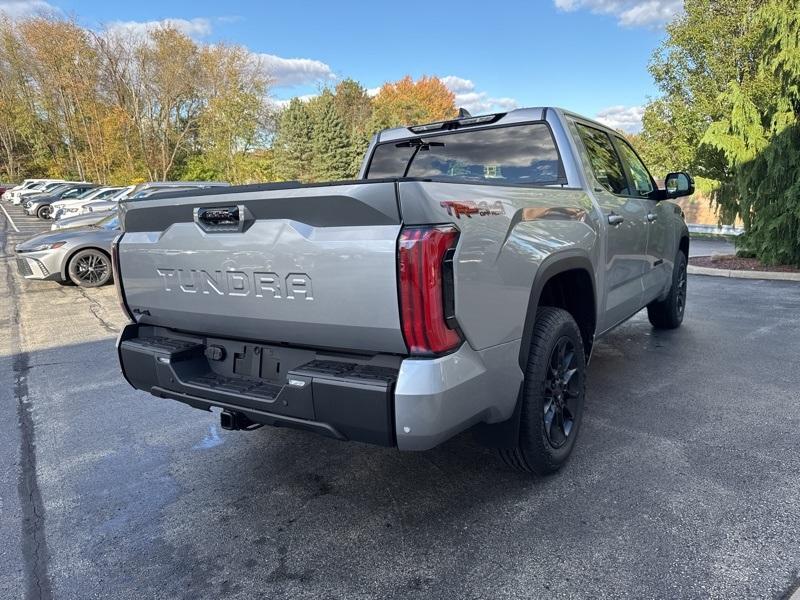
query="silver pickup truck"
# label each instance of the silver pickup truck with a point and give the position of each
(461, 282)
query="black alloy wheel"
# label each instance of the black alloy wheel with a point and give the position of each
(562, 393)
(680, 290)
(668, 313)
(90, 268)
(552, 396)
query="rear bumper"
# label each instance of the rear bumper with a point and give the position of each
(382, 399)
(347, 398)
(434, 399)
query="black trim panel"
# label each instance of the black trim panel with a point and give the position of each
(346, 399)
(257, 416)
(368, 204)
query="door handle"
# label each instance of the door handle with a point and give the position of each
(652, 217)
(615, 219)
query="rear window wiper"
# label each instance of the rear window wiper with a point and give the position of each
(419, 145)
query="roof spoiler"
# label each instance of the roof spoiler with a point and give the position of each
(464, 119)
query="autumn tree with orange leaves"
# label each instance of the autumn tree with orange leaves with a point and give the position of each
(122, 106)
(408, 102)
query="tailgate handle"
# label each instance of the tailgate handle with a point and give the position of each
(222, 218)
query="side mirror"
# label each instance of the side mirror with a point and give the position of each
(679, 184)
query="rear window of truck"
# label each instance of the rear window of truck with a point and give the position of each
(518, 154)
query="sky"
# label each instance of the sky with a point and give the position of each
(589, 56)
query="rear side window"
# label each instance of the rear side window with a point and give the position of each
(605, 162)
(519, 154)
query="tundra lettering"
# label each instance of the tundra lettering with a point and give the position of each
(460, 283)
(235, 283)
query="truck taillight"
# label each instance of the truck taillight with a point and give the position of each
(426, 294)
(115, 270)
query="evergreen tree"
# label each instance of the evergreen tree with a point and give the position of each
(354, 107)
(332, 150)
(760, 137)
(293, 150)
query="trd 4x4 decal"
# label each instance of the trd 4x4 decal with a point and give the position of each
(471, 207)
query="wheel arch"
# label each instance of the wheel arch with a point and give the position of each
(683, 244)
(557, 268)
(558, 273)
(71, 254)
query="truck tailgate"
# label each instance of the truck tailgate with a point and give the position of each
(304, 265)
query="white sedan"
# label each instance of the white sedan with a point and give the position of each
(72, 206)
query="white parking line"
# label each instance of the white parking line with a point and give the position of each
(10, 220)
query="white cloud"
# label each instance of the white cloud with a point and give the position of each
(474, 101)
(290, 72)
(458, 84)
(283, 103)
(625, 118)
(372, 92)
(25, 8)
(629, 13)
(196, 28)
(284, 72)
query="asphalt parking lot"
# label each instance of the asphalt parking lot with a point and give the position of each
(685, 482)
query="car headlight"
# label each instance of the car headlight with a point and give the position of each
(41, 247)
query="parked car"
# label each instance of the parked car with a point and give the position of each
(101, 206)
(40, 188)
(462, 283)
(41, 204)
(107, 204)
(20, 186)
(149, 188)
(72, 206)
(80, 256)
(4, 187)
(82, 220)
(26, 184)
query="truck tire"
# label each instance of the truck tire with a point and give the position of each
(668, 313)
(552, 395)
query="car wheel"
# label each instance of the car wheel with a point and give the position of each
(552, 395)
(89, 268)
(668, 313)
(44, 212)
